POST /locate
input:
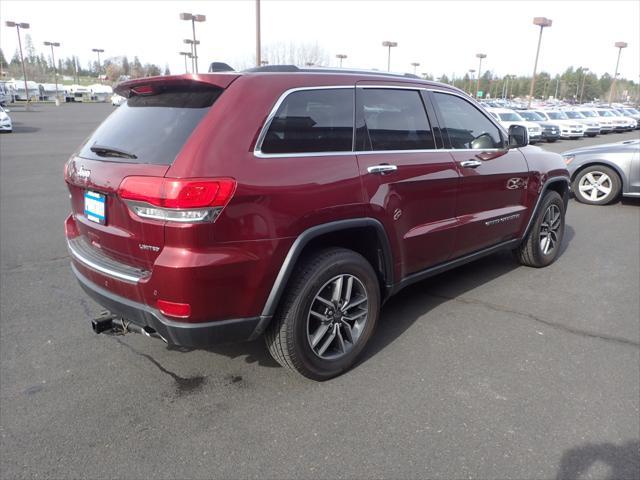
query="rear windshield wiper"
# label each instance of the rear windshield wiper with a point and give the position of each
(103, 151)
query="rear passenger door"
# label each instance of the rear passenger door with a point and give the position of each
(409, 183)
(493, 178)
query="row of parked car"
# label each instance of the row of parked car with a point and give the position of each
(570, 122)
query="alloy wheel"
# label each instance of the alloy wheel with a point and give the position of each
(337, 317)
(595, 186)
(550, 229)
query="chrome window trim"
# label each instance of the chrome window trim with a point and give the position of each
(257, 151)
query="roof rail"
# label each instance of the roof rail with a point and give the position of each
(293, 68)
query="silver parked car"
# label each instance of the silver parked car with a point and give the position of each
(600, 173)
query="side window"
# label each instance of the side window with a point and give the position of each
(310, 121)
(396, 119)
(465, 125)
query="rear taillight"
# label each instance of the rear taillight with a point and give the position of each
(177, 200)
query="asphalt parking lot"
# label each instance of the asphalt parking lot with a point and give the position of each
(489, 371)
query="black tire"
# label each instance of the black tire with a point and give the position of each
(287, 337)
(531, 252)
(551, 140)
(612, 182)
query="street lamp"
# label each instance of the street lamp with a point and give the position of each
(415, 66)
(258, 49)
(389, 45)
(341, 57)
(480, 56)
(471, 72)
(192, 44)
(185, 55)
(541, 22)
(619, 46)
(584, 78)
(24, 26)
(98, 51)
(194, 18)
(55, 69)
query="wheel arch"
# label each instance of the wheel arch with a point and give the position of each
(556, 184)
(342, 233)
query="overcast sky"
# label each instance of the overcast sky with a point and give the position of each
(443, 36)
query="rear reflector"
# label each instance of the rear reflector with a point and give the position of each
(174, 309)
(70, 228)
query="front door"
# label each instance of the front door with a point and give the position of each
(493, 179)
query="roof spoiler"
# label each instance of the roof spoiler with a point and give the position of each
(220, 80)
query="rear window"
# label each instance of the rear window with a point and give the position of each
(150, 128)
(396, 120)
(312, 121)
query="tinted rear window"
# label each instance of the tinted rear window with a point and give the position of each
(311, 121)
(153, 128)
(396, 120)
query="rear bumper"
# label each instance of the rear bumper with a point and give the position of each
(190, 335)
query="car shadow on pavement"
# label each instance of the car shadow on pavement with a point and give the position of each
(405, 308)
(19, 127)
(621, 461)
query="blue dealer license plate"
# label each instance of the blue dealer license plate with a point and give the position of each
(94, 206)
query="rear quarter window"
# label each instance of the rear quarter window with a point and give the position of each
(151, 128)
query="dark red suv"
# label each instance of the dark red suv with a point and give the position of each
(218, 207)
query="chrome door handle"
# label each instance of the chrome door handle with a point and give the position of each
(471, 163)
(382, 169)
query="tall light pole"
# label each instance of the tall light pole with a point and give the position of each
(98, 51)
(194, 18)
(541, 22)
(258, 48)
(471, 72)
(619, 46)
(415, 66)
(185, 55)
(55, 68)
(24, 26)
(584, 78)
(480, 56)
(192, 44)
(341, 57)
(389, 45)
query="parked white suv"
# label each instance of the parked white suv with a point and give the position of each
(592, 124)
(606, 124)
(620, 124)
(508, 117)
(568, 128)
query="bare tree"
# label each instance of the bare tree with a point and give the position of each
(299, 54)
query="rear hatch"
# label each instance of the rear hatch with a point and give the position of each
(142, 137)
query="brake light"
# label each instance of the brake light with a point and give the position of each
(180, 200)
(174, 309)
(143, 90)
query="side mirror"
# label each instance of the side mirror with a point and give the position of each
(518, 136)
